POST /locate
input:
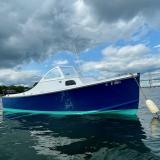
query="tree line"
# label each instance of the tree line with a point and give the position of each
(12, 89)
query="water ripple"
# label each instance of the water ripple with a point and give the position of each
(28, 136)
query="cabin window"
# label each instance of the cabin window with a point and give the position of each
(70, 82)
(52, 74)
(69, 72)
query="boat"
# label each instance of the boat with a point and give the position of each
(64, 91)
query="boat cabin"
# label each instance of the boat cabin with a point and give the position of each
(57, 79)
(60, 78)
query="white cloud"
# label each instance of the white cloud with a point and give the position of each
(126, 53)
(16, 77)
(60, 62)
(136, 58)
(157, 46)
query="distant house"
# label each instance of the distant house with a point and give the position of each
(9, 91)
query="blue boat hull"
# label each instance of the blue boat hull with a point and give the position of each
(97, 98)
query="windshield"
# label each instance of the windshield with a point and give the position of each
(69, 72)
(52, 74)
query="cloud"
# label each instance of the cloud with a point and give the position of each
(60, 62)
(112, 11)
(16, 77)
(33, 30)
(126, 52)
(125, 59)
(157, 46)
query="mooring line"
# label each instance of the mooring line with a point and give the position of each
(148, 102)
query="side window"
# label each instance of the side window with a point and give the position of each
(70, 82)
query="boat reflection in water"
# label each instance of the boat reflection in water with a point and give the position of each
(87, 137)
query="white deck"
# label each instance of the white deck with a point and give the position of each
(55, 81)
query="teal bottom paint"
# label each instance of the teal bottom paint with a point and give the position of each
(129, 112)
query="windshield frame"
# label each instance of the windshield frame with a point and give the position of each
(61, 72)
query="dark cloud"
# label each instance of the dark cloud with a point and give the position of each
(122, 9)
(32, 30)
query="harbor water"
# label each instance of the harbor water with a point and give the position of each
(26, 136)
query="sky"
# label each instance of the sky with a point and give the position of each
(117, 36)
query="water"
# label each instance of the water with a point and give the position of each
(44, 137)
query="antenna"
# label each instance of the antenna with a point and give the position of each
(76, 51)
